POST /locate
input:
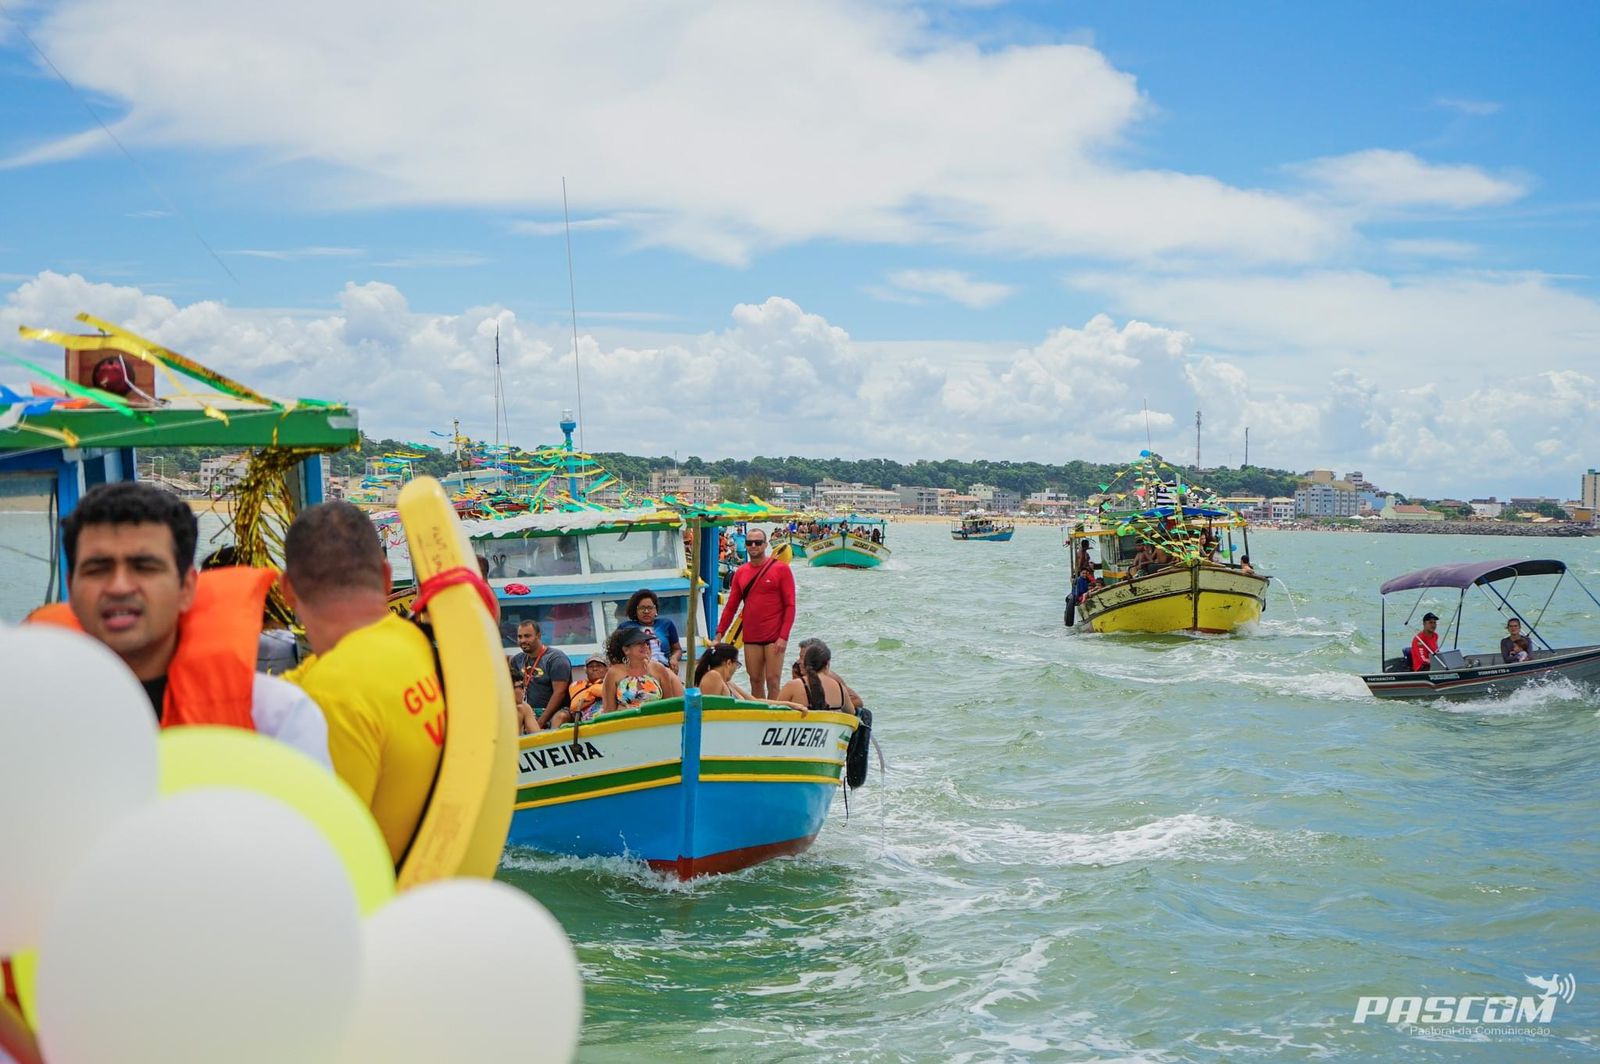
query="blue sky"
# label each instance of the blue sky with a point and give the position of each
(860, 228)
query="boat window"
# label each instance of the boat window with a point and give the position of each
(561, 623)
(25, 527)
(638, 551)
(542, 556)
(613, 611)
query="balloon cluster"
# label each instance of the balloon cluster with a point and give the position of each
(208, 894)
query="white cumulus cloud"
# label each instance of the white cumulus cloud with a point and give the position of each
(1380, 178)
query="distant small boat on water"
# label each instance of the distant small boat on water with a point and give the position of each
(983, 527)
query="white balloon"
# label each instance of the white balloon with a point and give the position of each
(466, 969)
(215, 925)
(77, 754)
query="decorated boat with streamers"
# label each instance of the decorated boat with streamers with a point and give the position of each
(690, 786)
(1168, 558)
(849, 543)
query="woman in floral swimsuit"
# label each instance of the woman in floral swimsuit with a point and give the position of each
(635, 677)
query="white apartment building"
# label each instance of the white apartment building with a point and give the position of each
(680, 485)
(223, 472)
(857, 498)
(1589, 491)
(1327, 499)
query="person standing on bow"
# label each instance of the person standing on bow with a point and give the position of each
(1425, 644)
(766, 591)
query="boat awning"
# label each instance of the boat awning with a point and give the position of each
(1463, 575)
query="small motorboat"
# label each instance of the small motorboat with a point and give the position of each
(1454, 673)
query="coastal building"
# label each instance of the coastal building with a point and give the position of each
(1589, 490)
(996, 500)
(222, 472)
(1319, 476)
(856, 498)
(1487, 508)
(1336, 498)
(958, 503)
(1358, 480)
(786, 493)
(1405, 511)
(921, 499)
(1248, 505)
(1280, 508)
(680, 485)
(1053, 503)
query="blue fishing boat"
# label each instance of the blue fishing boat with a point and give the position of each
(693, 786)
(849, 542)
(983, 527)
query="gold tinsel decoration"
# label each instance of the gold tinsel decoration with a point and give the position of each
(262, 506)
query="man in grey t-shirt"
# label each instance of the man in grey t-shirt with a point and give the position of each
(548, 673)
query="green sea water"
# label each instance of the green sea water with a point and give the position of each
(1130, 847)
(1120, 847)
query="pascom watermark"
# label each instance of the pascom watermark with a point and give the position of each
(1481, 1014)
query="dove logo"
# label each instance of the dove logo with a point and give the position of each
(1560, 986)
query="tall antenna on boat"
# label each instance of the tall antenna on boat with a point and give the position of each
(500, 415)
(1197, 441)
(572, 293)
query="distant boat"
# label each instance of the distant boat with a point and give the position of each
(1454, 673)
(978, 525)
(849, 542)
(1167, 561)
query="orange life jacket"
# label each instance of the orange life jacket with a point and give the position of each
(212, 673)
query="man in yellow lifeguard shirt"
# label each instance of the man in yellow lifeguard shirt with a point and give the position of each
(373, 672)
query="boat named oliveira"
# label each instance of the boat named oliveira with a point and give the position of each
(983, 527)
(1168, 560)
(1453, 673)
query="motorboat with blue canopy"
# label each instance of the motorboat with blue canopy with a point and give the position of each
(1454, 673)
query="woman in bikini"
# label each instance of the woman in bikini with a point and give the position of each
(715, 671)
(635, 677)
(817, 688)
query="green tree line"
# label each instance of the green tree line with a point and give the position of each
(1078, 478)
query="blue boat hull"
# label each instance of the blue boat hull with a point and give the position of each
(690, 793)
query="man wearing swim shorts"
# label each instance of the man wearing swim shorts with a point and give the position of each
(765, 588)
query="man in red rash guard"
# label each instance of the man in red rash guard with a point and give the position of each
(766, 588)
(1426, 643)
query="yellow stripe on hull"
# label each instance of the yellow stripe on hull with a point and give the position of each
(1212, 600)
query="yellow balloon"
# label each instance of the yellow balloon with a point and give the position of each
(24, 970)
(200, 756)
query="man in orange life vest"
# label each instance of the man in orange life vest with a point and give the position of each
(373, 672)
(190, 638)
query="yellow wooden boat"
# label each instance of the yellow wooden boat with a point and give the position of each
(1167, 559)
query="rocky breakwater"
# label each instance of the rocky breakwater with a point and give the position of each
(1484, 528)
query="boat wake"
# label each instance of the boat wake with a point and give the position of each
(1553, 693)
(1187, 836)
